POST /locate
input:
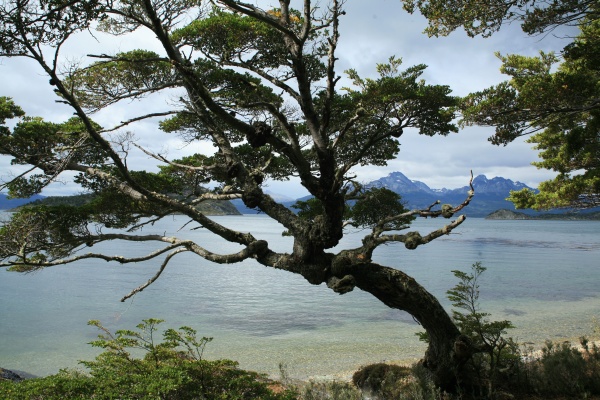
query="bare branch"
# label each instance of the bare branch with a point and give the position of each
(261, 15)
(140, 118)
(349, 124)
(216, 196)
(155, 277)
(174, 164)
(122, 186)
(5, 185)
(331, 77)
(412, 240)
(29, 265)
(447, 211)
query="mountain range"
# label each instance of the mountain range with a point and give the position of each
(490, 195)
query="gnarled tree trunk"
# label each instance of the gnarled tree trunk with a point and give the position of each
(447, 350)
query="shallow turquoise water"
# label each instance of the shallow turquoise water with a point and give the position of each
(542, 275)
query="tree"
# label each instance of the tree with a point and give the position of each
(556, 99)
(485, 18)
(261, 86)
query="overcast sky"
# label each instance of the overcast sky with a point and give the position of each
(371, 32)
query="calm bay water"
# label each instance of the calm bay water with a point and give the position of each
(542, 275)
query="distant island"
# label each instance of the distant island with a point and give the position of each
(505, 214)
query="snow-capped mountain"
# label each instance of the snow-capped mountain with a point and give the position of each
(490, 194)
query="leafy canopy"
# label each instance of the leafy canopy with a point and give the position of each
(259, 85)
(554, 98)
(486, 17)
(557, 101)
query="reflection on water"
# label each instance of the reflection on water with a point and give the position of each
(542, 275)
(534, 244)
(512, 311)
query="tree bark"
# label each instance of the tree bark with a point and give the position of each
(447, 350)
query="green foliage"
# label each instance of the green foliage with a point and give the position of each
(564, 370)
(376, 205)
(494, 355)
(476, 18)
(404, 100)
(309, 209)
(122, 21)
(36, 234)
(333, 390)
(64, 385)
(8, 110)
(556, 100)
(75, 200)
(497, 365)
(231, 37)
(49, 146)
(381, 378)
(465, 296)
(55, 22)
(485, 18)
(312, 210)
(171, 369)
(39, 233)
(264, 163)
(131, 75)
(354, 141)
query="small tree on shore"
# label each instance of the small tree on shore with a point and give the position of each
(262, 87)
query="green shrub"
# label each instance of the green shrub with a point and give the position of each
(64, 385)
(563, 370)
(330, 390)
(495, 357)
(422, 386)
(379, 377)
(172, 369)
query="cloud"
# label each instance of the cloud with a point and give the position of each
(371, 32)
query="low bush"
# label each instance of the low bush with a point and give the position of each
(564, 370)
(380, 378)
(172, 369)
(329, 390)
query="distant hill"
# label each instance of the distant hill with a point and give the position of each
(211, 207)
(74, 200)
(279, 198)
(7, 204)
(571, 216)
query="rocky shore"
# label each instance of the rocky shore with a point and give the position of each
(9, 375)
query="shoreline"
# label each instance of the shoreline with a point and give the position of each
(532, 353)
